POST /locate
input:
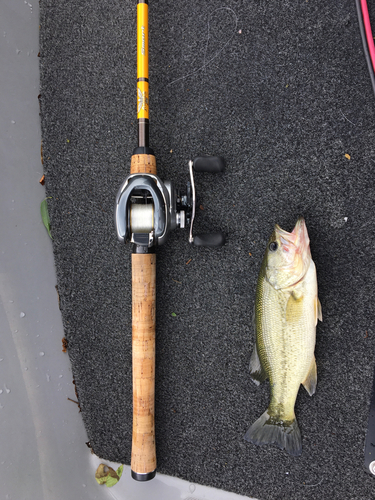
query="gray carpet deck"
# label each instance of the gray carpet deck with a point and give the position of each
(281, 90)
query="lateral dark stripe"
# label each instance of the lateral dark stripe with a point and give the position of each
(143, 1)
(142, 79)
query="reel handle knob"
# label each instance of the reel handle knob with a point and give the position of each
(209, 240)
(211, 164)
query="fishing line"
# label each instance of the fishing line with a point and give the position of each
(207, 63)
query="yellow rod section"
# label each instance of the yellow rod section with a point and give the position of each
(142, 60)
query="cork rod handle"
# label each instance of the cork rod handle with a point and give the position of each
(143, 459)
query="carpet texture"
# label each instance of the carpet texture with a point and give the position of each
(281, 90)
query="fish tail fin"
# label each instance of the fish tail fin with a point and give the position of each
(269, 429)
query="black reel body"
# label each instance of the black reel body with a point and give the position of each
(147, 208)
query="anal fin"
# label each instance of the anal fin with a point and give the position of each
(311, 378)
(257, 372)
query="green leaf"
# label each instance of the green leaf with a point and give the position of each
(111, 481)
(45, 216)
(108, 476)
(174, 315)
(120, 471)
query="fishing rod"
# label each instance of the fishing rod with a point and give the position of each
(147, 209)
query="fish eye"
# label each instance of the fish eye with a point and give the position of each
(273, 246)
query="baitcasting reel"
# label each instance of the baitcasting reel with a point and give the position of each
(148, 209)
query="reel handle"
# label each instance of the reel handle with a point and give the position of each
(143, 457)
(212, 165)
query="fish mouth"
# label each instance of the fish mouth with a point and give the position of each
(295, 255)
(299, 237)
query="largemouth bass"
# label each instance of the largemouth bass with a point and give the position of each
(287, 310)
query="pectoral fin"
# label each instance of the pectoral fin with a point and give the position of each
(257, 372)
(310, 381)
(294, 307)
